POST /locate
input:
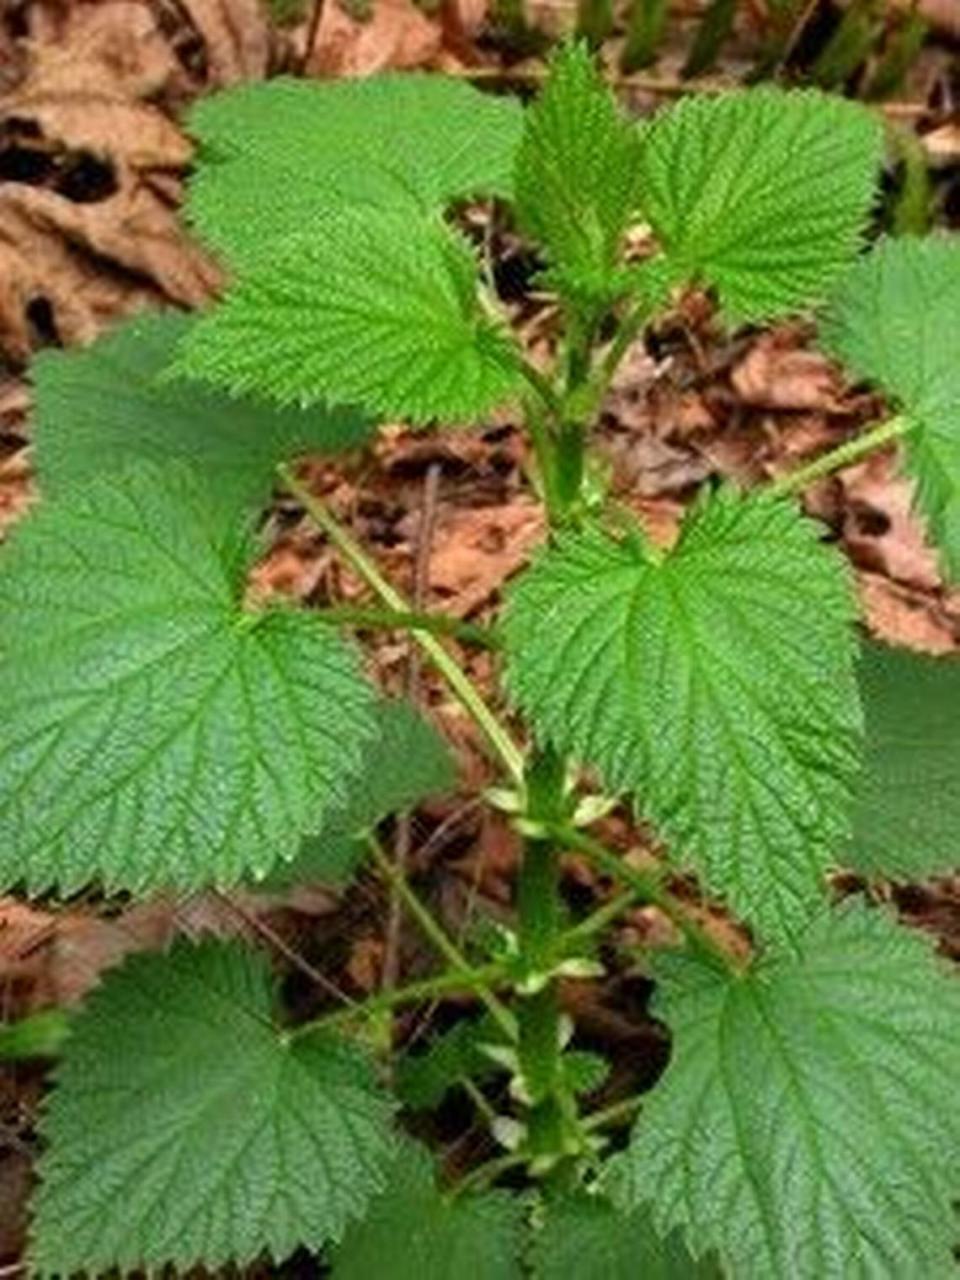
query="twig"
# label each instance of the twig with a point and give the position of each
(842, 456)
(421, 574)
(270, 935)
(451, 982)
(438, 936)
(459, 682)
(316, 13)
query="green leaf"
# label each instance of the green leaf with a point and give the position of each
(186, 1128)
(893, 319)
(801, 1127)
(378, 308)
(576, 178)
(100, 408)
(907, 821)
(40, 1035)
(156, 732)
(275, 156)
(422, 1080)
(404, 762)
(415, 1232)
(762, 194)
(587, 1237)
(714, 683)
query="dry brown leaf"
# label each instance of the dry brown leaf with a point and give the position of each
(88, 227)
(84, 945)
(942, 145)
(649, 466)
(396, 35)
(161, 49)
(24, 930)
(881, 530)
(476, 550)
(777, 374)
(906, 617)
(236, 36)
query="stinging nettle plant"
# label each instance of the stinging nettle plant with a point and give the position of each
(165, 731)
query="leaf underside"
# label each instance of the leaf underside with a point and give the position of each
(415, 1232)
(587, 1237)
(184, 1129)
(404, 762)
(375, 308)
(716, 685)
(762, 194)
(802, 1126)
(907, 818)
(157, 733)
(894, 321)
(411, 142)
(105, 406)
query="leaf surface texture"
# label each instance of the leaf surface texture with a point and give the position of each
(907, 819)
(103, 407)
(378, 309)
(416, 1232)
(801, 1127)
(763, 194)
(156, 732)
(894, 321)
(576, 179)
(404, 141)
(185, 1128)
(715, 684)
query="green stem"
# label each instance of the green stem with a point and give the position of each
(553, 1129)
(503, 745)
(439, 624)
(629, 329)
(443, 944)
(452, 981)
(598, 920)
(649, 888)
(543, 388)
(569, 460)
(489, 1171)
(617, 1112)
(645, 27)
(842, 456)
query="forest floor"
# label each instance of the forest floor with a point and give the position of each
(92, 165)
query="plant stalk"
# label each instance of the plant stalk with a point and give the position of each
(844, 454)
(459, 682)
(439, 624)
(451, 981)
(442, 943)
(649, 888)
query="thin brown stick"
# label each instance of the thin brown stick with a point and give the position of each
(270, 935)
(412, 681)
(316, 13)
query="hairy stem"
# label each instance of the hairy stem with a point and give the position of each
(598, 920)
(459, 682)
(439, 624)
(438, 937)
(617, 1113)
(851, 451)
(649, 888)
(543, 388)
(452, 981)
(553, 1129)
